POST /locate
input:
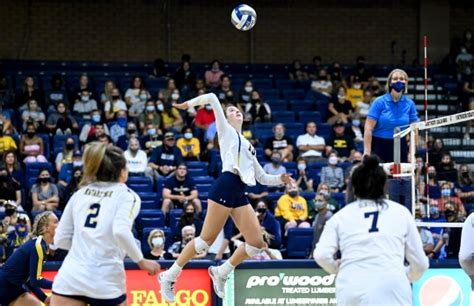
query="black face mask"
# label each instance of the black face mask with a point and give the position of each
(3, 178)
(293, 193)
(9, 211)
(323, 77)
(465, 174)
(261, 210)
(374, 88)
(115, 97)
(449, 213)
(30, 134)
(255, 100)
(44, 179)
(431, 175)
(1, 131)
(189, 214)
(131, 131)
(69, 146)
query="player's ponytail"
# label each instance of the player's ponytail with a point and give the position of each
(368, 179)
(102, 163)
(39, 225)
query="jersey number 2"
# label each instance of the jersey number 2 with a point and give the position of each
(91, 220)
(375, 215)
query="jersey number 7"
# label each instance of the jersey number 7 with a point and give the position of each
(375, 215)
(93, 212)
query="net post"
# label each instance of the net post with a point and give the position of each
(396, 151)
(412, 151)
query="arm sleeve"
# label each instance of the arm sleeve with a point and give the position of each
(36, 266)
(264, 178)
(375, 110)
(413, 113)
(414, 254)
(221, 122)
(122, 228)
(327, 247)
(37, 292)
(65, 230)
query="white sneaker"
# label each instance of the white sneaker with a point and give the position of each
(167, 288)
(217, 281)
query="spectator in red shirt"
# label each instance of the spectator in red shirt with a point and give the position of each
(447, 195)
(204, 117)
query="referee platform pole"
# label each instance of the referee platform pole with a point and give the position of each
(399, 188)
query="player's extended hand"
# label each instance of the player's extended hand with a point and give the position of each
(286, 178)
(149, 265)
(182, 106)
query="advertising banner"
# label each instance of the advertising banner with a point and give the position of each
(281, 287)
(442, 287)
(192, 289)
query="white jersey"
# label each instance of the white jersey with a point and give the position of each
(466, 250)
(374, 241)
(243, 162)
(96, 229)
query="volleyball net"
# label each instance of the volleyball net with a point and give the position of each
(451, 129)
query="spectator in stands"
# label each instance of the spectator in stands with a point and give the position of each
(164, 160)
(119, 127)
(185, 77)
(123, 140)
(356, 131)
(165, 93)
(16, 225)
(355, 93)
(150, 116)
(297, 72)
(304, 182)
(172, 120)
(269, 223)
(88, 130)
(336, 76)
(310, 145)
(387, 112)
(137, 95)
(33, 113)
(274, 167)
(244, 96)
(84, 85)
(10, 189)
(279, 142)
(332, 174)
(179, 190)
(114, 105)
(159, 69)
(463, 62)
(32, 146)
(246, 130)
(61, 122)
(198, 87)
(151, 139)
(105, 96)
(44, 193)
(85, 105)
(7, 95)
(189, 145)
(341, 142)
(187, 234)
(220, 248)
(375, 87)
(316, 67)
(72, 187)
(56, 93)
(323, 84)
(137, 160)
(6, 142)
(104, 139)
(10, 162)
(340, 108)
(66, 171)
(224, 88)
(99, 129)
(452, 236)
(446, 170)
(292, 210)
(266, 253)
(362, 107)
(361, 72)
(258, 109)
(8, 127)
(433, 188)
(156, 241)
(190, 217)
(65, 157)
(448, 196)
(323, 214)
(204, 117)
(213, 76)
(426, 239)
(257, 193)
(325, 191)
(436, 151)
(28, 92)
(467, 100)
(464, 185)
(355, 160)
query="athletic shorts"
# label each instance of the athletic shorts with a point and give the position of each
(96, 302)
(229, 191)
(9, 292)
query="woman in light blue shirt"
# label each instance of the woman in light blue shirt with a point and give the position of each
(391, 110)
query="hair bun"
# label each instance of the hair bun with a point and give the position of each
(371, 162)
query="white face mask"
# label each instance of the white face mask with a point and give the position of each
(332, 160)
(175, 96)
(341, 97)
(85, 98)
(157, 241)
(143, 97)
(160, 107)
(248, 89)
(357, 86)
(188, 136)
(301, 167)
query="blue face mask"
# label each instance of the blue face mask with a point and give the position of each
(150, 108)
(152, 132)
(398, 86)
(355, 122)
(122, 122)
(446, 192)
(434, 210)
(96, 118)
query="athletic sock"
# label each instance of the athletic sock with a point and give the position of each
(173, 272)
(225, 269)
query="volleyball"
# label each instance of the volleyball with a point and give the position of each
(243, 17)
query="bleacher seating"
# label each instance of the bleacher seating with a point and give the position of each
(299, 242)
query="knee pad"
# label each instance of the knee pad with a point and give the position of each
(251, 250)
(200, 245)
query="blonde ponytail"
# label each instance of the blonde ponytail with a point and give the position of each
(92, 160)
(41, 221)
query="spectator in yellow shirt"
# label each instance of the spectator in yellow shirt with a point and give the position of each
(190, 146)
(292, 210)
(6, 142)
(355, 93)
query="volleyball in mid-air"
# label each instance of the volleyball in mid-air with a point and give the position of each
(243, 17)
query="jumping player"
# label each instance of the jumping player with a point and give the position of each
(466, 251)
(240, 168)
